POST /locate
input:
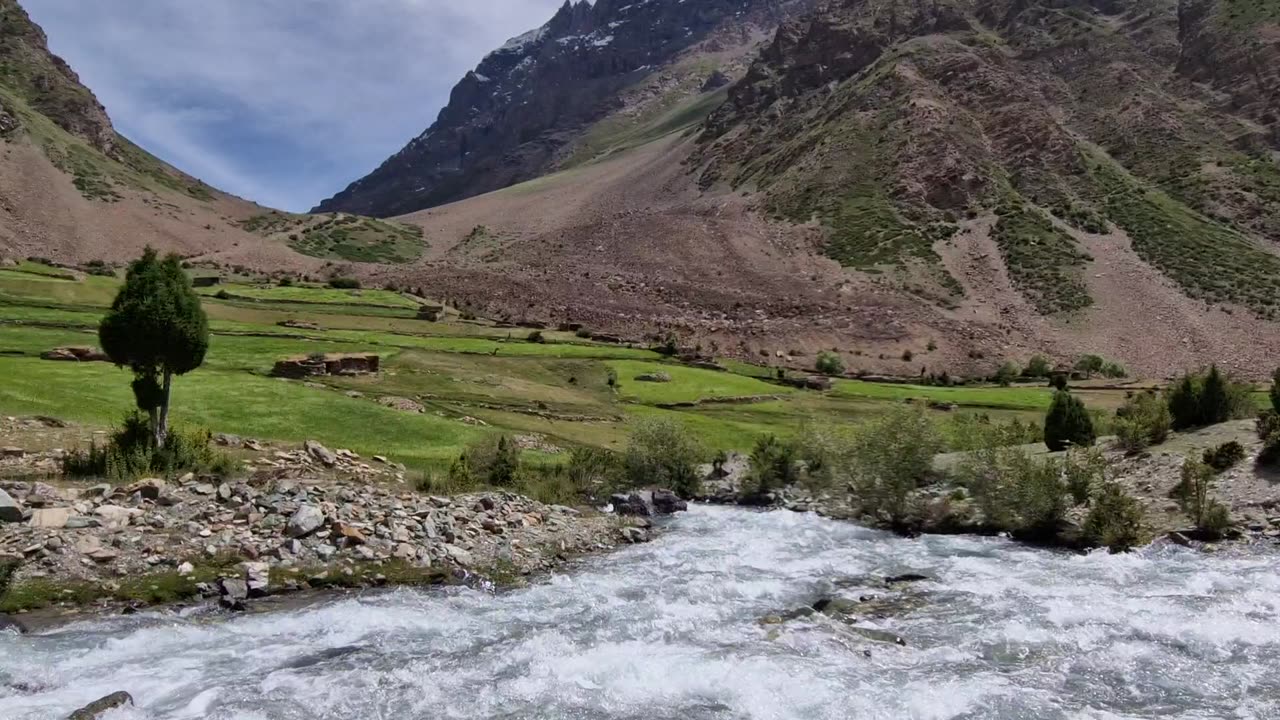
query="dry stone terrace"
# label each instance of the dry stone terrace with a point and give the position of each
(312, 509)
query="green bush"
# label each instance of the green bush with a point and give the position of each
(1198, 400)
(773, 464)
(1067, 423)
(829, 363)
(493, 460)
(1090, 365)
(886, 460)
(1037, 367)
(1143, 421)
(344, 283)
(285, 281)
(1114, 520)
(1114, 370)
(1007, 373)
(598, 473)
(1224, 456)
(536, 337)
(1015, 491)
(131, 453)
(1268, 426)
(8, 568)
(1210, 516)
(1083, 470)
(663, 453)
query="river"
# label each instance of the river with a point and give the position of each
(670, 631)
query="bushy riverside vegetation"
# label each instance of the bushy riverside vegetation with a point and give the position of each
(468, 404)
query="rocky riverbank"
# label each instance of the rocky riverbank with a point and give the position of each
(1250, 492)
(308, 518)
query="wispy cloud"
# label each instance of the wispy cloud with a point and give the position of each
(281, 102)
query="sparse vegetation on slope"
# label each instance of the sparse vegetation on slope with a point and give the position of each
(341, 236)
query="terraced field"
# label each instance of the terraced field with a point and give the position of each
(468, 378)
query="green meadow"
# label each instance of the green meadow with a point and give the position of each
(471, 377)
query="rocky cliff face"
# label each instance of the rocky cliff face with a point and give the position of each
(46, 83)
(507, 119)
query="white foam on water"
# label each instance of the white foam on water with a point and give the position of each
(670, 630)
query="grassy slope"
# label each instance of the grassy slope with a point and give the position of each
(558, 388)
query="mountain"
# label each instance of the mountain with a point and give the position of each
(511, 118)
(918, 184)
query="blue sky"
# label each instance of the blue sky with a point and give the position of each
(280, 101)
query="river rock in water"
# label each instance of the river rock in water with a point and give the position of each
(99, 707)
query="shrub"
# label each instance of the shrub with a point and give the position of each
(907, 356)
(493, 460)
(888, 457)
(1114, 520)
(1090, 365)
(1207, 399)
(131, 453)
(1015, 491)
(662, 452)
(1067, 423)
(344, 283)
(285, 281)
(598, 473)
(1038, 367)
(1268, 426)
(1083, 470)
(222, 295)
(1224, 456)
(1114, 370)
(1007, 373)
(1210, 516)
(8, 568)
(536, 337)
(583, 333)
(829, 363)
(1143, 420)
(1058, 381)
(773, 464)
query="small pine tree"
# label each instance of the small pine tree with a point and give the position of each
(157, 329)
(1215, 399)
(1067, 423)
(1184, 403)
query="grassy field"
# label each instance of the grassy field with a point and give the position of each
(471, 378)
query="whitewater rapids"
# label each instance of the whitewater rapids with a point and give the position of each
(670, 631)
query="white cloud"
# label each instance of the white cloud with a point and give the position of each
(281, 102)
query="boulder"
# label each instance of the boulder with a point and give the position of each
(232, 592)
(9, 510)
(654, 377)
(114, 516)
(635, 535)
(633, 504)
(99, 707)
(306, 520)
(320, 453)
(257, 579)
(149, 488)
(50, 518)
(666, 502)
(458, 555)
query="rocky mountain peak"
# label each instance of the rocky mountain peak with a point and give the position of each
(507, 118)
(31, 74)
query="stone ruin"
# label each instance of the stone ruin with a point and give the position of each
(306, 366)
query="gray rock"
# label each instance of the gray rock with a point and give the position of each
(458, 555)
(232, 592)
(99, 707)
(80, 522)
(306, 520)
(634, 504)
(116, 517)
(257, 579)
(635, 535)
(666, 502)
(9, 510)
(321, 453)
(50, 518)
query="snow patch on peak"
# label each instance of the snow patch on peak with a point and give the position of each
(520, 42)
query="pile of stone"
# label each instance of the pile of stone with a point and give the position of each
(308, 366)
(103, 533)
(75, 354)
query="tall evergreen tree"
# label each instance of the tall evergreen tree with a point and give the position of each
(1068, 423)
(157, 329)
